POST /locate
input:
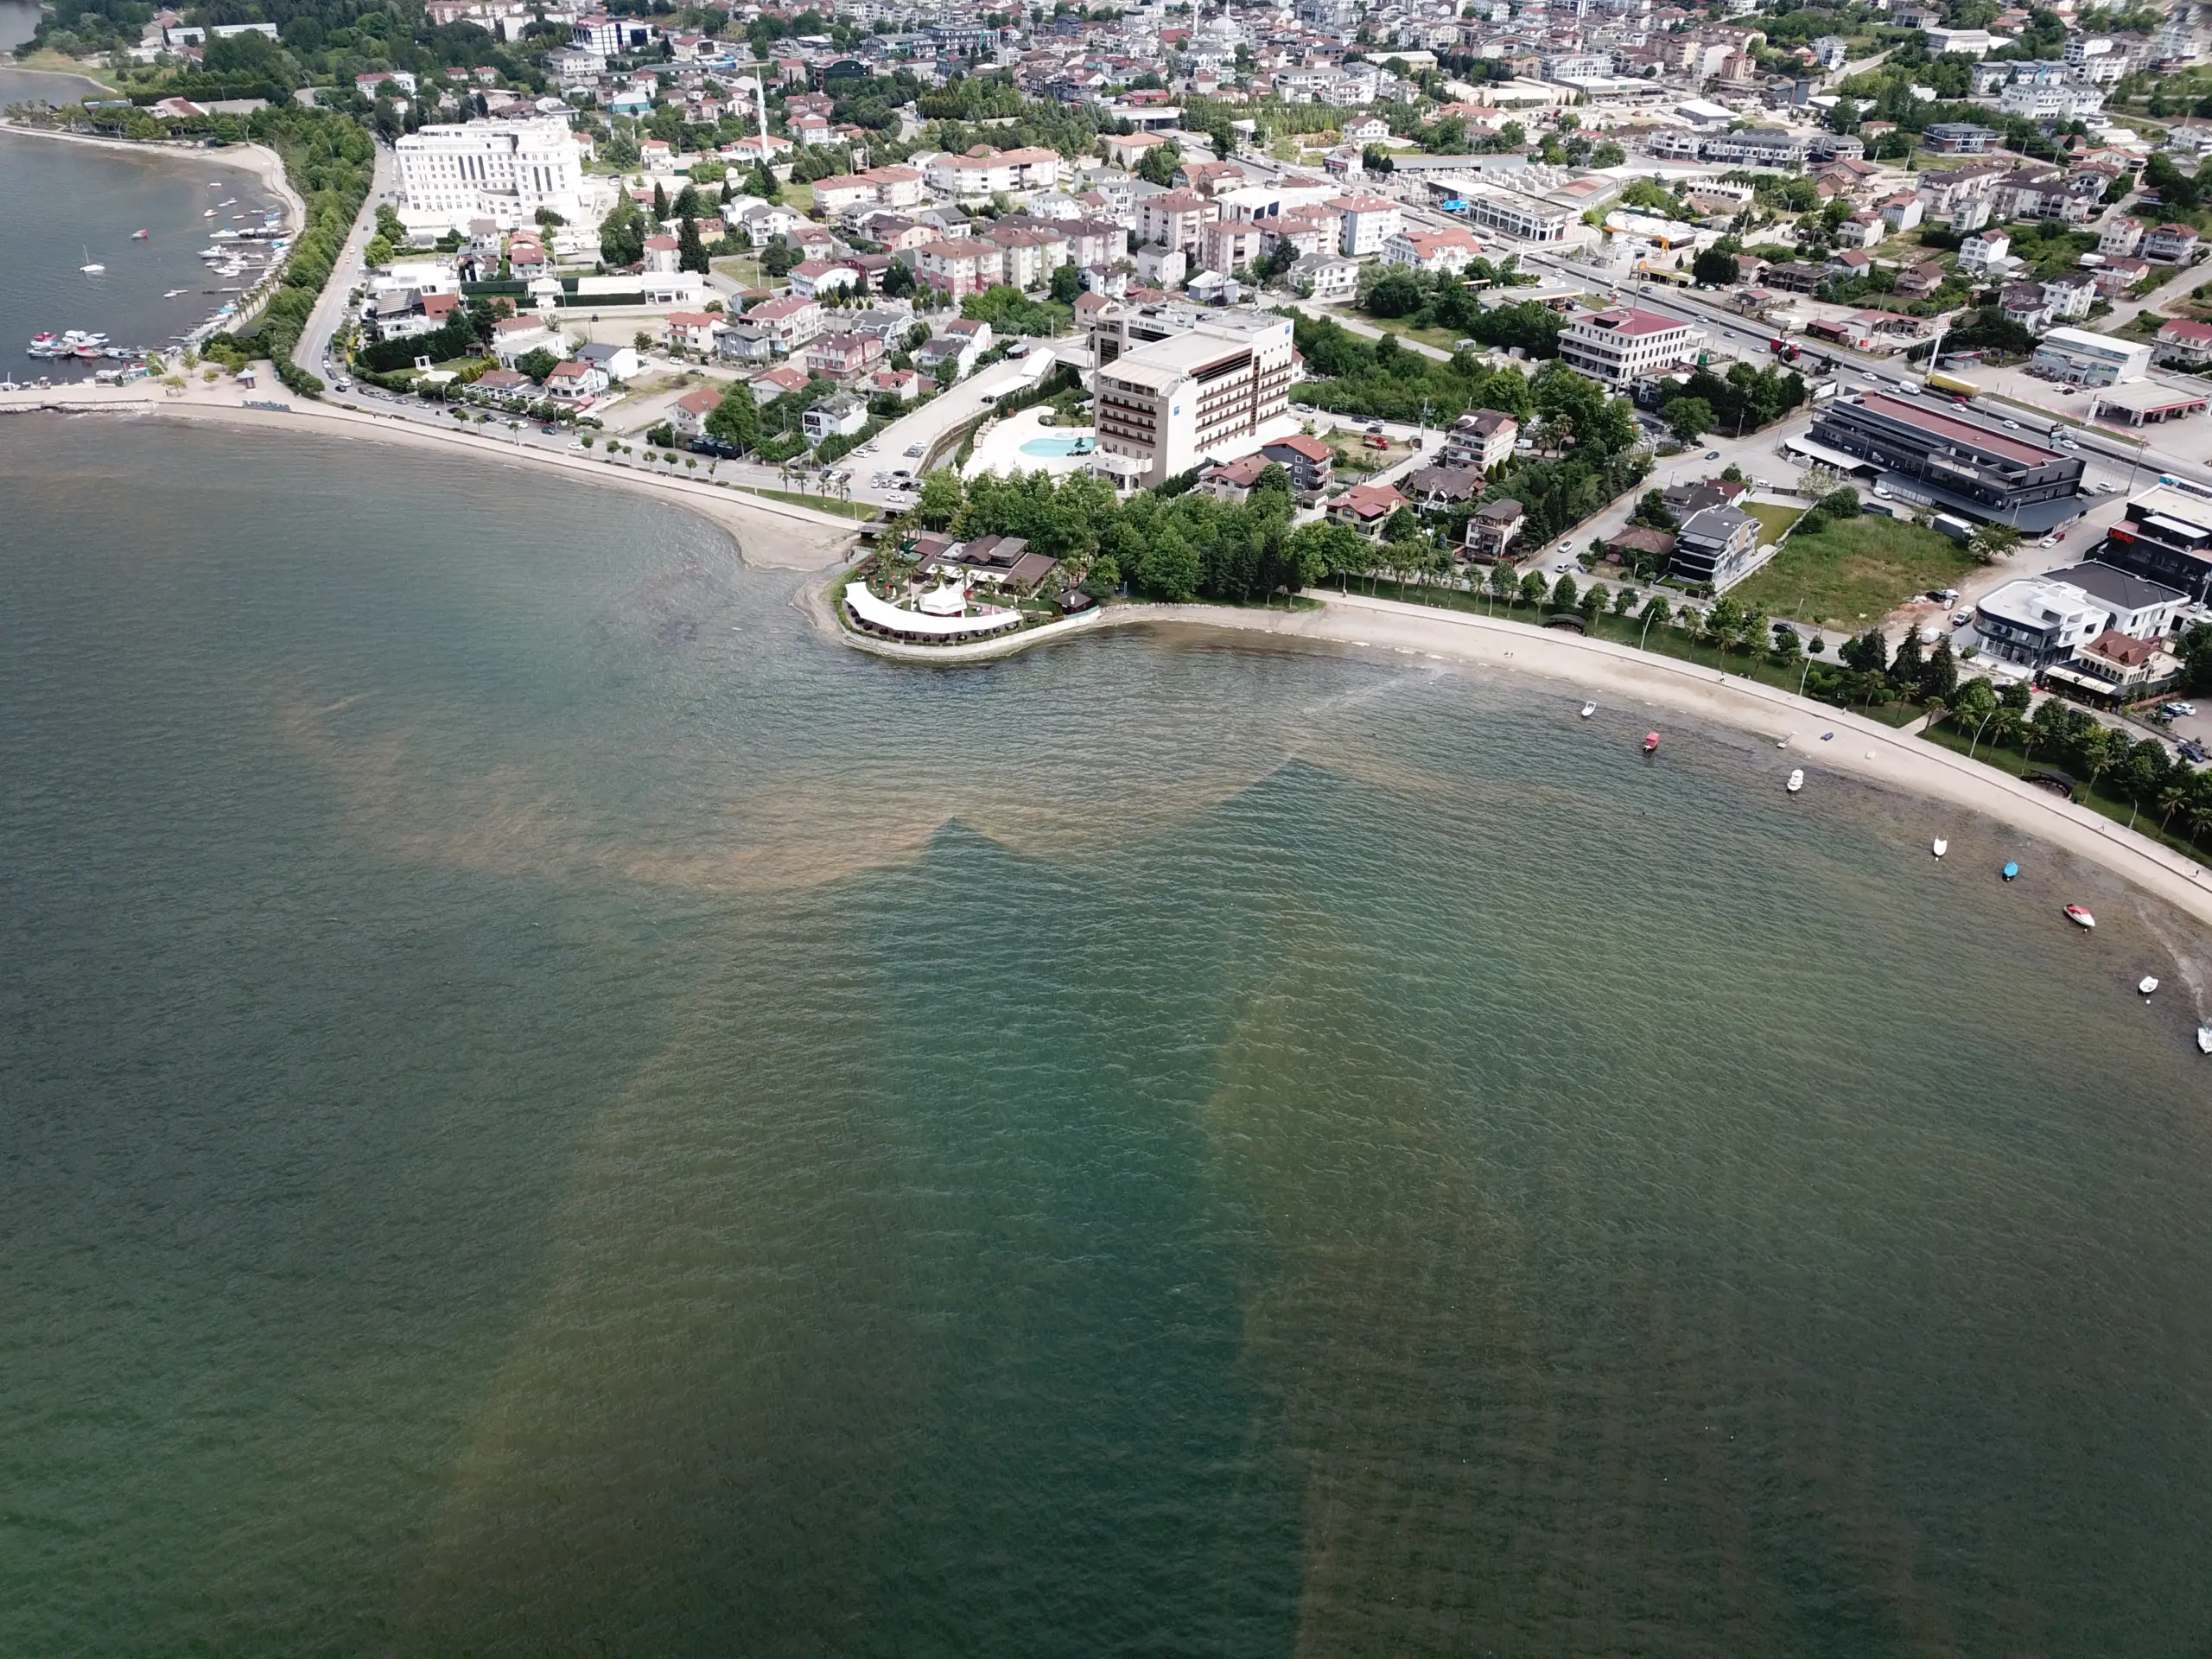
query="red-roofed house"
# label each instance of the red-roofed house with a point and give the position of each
(2185, 343)
(1367, 507)
(1233, 479)
(813, 278)
(662, 253)
(689, 416)
(1450, 249)
(694, 331)
(1307, 460)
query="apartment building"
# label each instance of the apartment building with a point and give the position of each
(1623, 345)
(504, 171)
(1365, 223)
(958, 269)
(1167, 403)
(1449, 249)
(785, 324)
(984, 171)
(1481, 441)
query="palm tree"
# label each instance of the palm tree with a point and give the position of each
(2199, 814)
(2172, 799)
(1938, 710)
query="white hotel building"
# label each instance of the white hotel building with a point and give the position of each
(1165, 406)
(504, 171)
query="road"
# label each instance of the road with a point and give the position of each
(312, 351)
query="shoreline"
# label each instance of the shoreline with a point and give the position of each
(263, 162)
(771, 535)
(1863, 749)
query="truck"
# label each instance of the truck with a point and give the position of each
(1958, 390)
(1956, 528)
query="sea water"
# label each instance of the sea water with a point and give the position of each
(547, 1106)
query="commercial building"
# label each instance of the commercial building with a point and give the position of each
(1939, 459)
(1958, 138)
(1167, 403)
(1623, 345)
(504, 171)
(2166, 538)
(2080, 358)
(1526, 219)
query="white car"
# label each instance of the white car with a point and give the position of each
(2012, 426)
(2106, 486)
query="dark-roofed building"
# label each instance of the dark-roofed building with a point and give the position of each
(1942, 459)
(2165, 535)
(1444, 486)
(1492, 529)
(1638, 546)
(1307, 460)
(1715, 545)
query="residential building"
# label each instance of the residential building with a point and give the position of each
(1715, 545)
(1755, 147)
(2116, 666)
(500, 170)
(1232, 481)
(1958, 138)
(813, 278)
(958, 269)
(1449, 249)
(2122, 236)
(2165, 535)
(2082, 358)
(1168, 403)
(1622, 344)
(1984, 253)
(2185, 343)
(572, 381)
(837, 416)
(689, 418)
(903, 384)
(1942, 459)
(984, 172)
(694, 331)
(1325, 276)
(1367, 507)
(1173, 219)
(1482, 440)
(1308, 460)
(2037, 621)
(1492, 528)
(842, 356)
(1366, 223)
(787, 323)
(2170, 245)
(514, 338)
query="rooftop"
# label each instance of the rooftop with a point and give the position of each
(1954, 431)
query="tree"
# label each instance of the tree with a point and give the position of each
(1842, 504)
(1067, 284)
(1908, 669)
(1169, 569)
(1502, 583)
(1688, 418)
(1993, 542)
(622, 234)
(1623, 601)
(660, 205)
(1224, 140)
(1941, 677)
(764, 184)
(537, 364)
(1714, 269)
(1158, 165)
(736, 419)
(378, 252)
(1533, 590)
(1563, 594)
(1652, 512)
(941, 498)
(691, 251)
(1592, 605)
(1402, 526)
(1656, 613)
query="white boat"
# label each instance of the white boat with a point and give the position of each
(1796, 780)
(1942, 847)
(2147, 984)
(2204, 1039)
(171, 292)
(210, 214)
(2080, 917)
(1588, 709)
(93, 269)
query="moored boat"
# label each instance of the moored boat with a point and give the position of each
(1588, 709)
(2010, 871)
(140, 235)
(2204, 1039)
(1941, 846)
(2147, 984)
(1650, 742)
(2080, 917)
(1796, 780)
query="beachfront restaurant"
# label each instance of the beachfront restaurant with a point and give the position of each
(942, 616)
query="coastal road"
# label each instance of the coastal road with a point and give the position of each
(312, 354)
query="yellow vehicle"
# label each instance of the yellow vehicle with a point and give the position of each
(1954, 386)
(1649, 273)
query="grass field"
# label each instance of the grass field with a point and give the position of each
(1855, 572)
(829, 504)
(1774, 518)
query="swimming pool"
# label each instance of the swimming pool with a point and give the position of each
(1057, 448)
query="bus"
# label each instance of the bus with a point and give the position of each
(1951, 386)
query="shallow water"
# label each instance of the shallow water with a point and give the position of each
(547, 1107)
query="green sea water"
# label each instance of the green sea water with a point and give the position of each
(546, 1106)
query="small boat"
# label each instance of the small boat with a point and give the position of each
(1650, 742)
(2010, 871)
(2080, 917)
(140, 235)
(2147, 984)
(210, 214)
(93, 269)
(1588, 709)
(2204, 1039)
(1941, 846)
(171, 292)
(1796, 780)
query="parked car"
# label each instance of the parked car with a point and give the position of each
(2193, 751)
(1959, 619)
(913, 450)
(2182, 708)
(1712, 454)
(1374, 442)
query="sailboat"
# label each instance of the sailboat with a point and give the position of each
(92, 267)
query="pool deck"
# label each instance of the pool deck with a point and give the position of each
(999, 450)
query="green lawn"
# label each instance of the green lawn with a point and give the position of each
(1774, 517)
(828, 504)
(1442, 339)
(1855, 572)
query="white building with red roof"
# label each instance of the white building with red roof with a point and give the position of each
(1621, 346)
(1448, 250)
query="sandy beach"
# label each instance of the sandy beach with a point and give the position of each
(772, 535)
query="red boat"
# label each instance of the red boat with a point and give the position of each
(1650, 741)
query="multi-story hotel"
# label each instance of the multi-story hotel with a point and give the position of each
(1623, 345)
(504, 171)
(1169, 404)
